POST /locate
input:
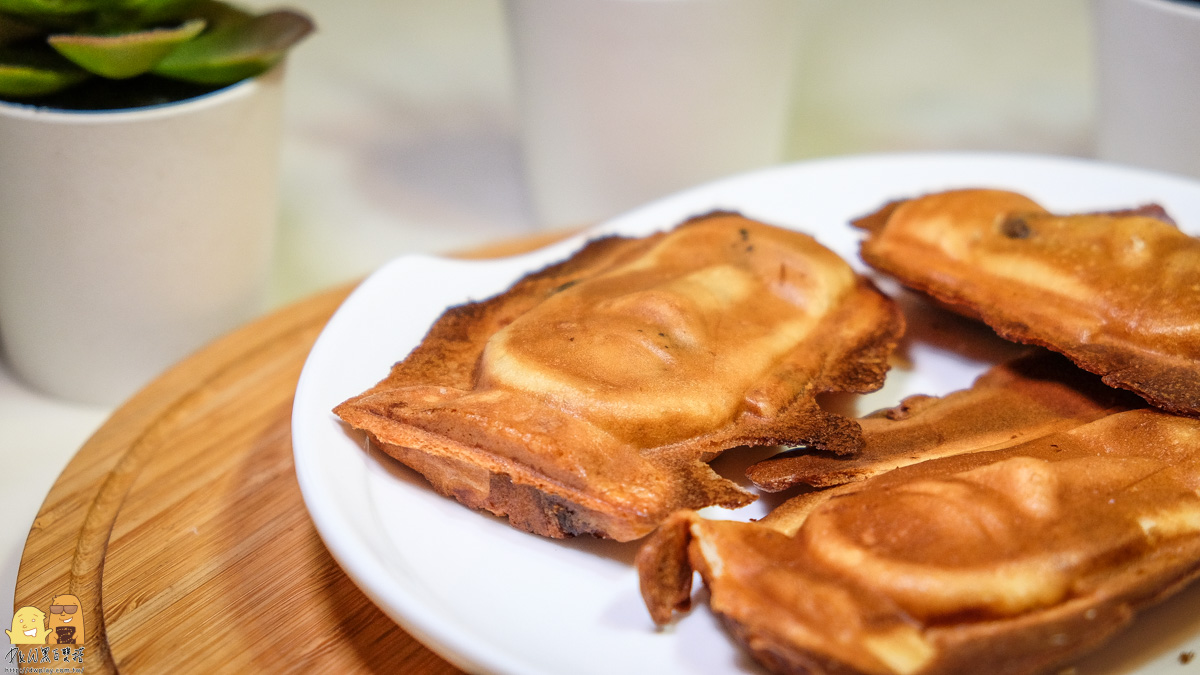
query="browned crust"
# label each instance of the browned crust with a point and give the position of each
(1168, 381)
(531, 502)
(447, 357)
(1026, 643)
(458, 464)
(1038, 394)
(664, 573)
(979, 648)
(525, 506)
(449, 352)
(1060, 634)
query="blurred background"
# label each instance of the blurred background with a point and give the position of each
(402, 132)
(401, 135)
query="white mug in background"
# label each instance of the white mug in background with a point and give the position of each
(623, 101)
(1148, 83)
(130, 238)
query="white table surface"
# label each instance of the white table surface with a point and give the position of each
(400, 137)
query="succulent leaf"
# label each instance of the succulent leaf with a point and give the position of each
(27, 81)
(118, 57)
(236, 51)
(49, 8)
(24, 75)
(205, 43)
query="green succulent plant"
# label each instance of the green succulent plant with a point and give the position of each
(47, 46)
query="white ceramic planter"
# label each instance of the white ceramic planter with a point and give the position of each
(624, 101)
(130, 238)
(1148, 83)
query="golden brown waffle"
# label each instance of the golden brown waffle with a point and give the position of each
(1118, 292)
(1010, 560)
(588, 397)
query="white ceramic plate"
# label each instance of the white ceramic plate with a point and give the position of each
(492, 599)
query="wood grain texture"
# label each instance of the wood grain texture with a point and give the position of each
(181, 528)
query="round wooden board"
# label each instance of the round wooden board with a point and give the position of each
(181, 529)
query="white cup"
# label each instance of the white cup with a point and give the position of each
(1148, 83)
(623, 101)
(130, 238)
